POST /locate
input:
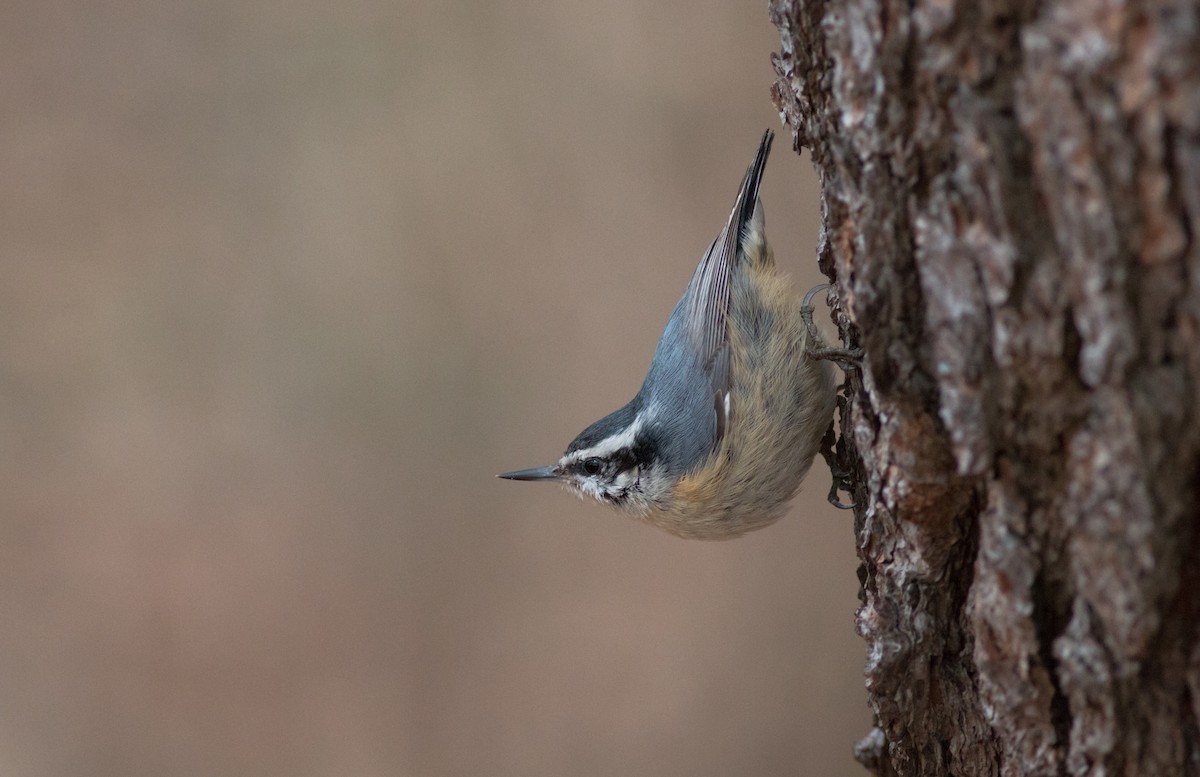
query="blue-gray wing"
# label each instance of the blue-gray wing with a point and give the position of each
(706, 305)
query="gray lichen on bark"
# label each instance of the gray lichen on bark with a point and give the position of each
(1011, 208)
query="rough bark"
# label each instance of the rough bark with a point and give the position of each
(1011, 209)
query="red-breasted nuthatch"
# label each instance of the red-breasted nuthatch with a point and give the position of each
(733, 409)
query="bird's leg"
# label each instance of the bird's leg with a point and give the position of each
(817, 348)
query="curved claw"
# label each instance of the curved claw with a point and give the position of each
(808, 297)
(817, 349)
(835, 500)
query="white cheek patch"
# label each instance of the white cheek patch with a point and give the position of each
(624, 484)
(588, 487)
(625, 490)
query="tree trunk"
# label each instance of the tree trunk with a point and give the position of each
(1011, 209)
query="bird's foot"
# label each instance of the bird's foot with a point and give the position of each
(817, 348)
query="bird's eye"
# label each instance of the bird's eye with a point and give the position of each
(592, 466)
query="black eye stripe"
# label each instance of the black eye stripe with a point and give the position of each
(626, 459)
(618, 461)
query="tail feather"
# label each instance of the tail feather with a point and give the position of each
(747, 200)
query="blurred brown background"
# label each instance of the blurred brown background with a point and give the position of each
(284, 286)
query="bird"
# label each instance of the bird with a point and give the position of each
(733, 408)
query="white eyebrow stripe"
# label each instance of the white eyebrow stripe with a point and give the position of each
(609, 445)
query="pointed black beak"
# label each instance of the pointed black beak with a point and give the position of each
(537, 473)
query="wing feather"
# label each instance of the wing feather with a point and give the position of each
(711, 286)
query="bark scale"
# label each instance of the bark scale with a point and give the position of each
(1011, 208)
